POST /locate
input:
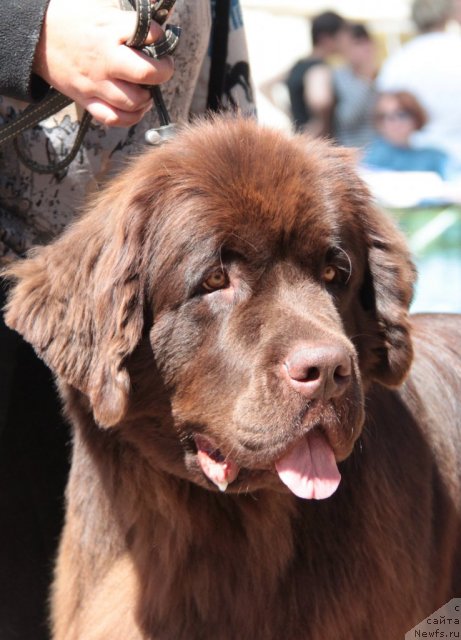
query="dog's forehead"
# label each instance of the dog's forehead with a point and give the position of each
(239, 179)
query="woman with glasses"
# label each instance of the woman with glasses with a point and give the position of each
(397, 116)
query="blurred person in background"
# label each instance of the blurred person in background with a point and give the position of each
(429, 66)
(354, 88)
(457, 11)
(397, 116)
(309, 81)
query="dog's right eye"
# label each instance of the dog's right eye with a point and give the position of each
(217, 279)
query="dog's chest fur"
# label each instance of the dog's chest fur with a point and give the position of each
(188, 562)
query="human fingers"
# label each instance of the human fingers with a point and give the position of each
(124, 66)
(124, 96)
(112, 117)
(127, 25)
(133, 66)
(154, 34)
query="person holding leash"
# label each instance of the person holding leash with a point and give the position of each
(79, 49)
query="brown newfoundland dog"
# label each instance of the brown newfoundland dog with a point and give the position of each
(228, 325)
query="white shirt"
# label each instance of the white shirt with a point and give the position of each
(429, 67)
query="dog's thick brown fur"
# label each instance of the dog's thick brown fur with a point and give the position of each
(179, 310)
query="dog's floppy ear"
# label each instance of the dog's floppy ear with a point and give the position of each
(79, 302)
(386, 295)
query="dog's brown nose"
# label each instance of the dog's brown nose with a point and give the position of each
(320, 371)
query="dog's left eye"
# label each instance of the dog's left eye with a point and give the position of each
(337, 268)
(217, 279)
(330, 273)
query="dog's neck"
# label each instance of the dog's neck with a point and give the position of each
(213, 546)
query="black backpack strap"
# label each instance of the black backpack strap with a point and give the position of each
(219, 43)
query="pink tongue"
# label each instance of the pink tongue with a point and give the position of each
(309, 470)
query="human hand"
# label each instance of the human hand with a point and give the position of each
(81, 53)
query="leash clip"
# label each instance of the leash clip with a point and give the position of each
(159, 135)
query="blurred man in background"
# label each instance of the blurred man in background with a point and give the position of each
(310, 82)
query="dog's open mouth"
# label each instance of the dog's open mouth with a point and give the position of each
(308, 469)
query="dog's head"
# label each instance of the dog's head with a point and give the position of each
(223, 304)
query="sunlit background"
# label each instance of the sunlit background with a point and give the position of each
(278, 35)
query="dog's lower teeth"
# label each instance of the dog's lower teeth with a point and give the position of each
(222, 486)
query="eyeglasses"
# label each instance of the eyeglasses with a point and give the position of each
(393, 116)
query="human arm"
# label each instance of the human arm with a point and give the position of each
(21, 24)
(276, 91)
(319, 97)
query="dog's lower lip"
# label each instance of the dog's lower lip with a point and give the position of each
(207, 446)
(219, 469)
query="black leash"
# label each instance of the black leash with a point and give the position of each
(54, 101)
(157, 12)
